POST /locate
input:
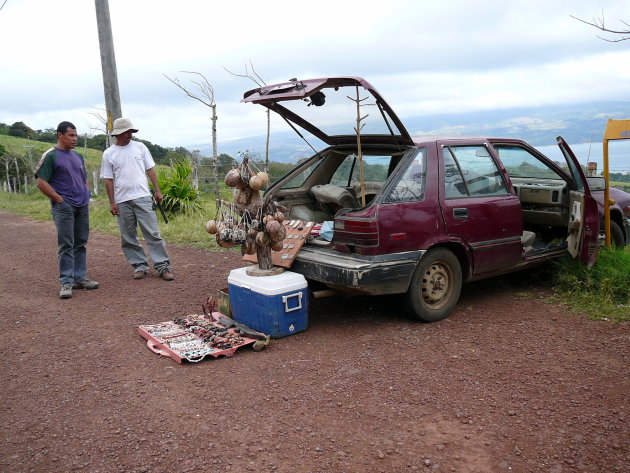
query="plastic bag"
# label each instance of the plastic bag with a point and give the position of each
(327, 231)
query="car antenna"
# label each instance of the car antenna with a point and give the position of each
(589, 147)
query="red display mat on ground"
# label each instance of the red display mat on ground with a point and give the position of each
(192, 338)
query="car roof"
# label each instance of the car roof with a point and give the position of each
(420, 140)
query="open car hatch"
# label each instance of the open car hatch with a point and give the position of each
(327, 108)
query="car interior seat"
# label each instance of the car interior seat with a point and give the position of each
(372, 188)
(527, 239)
(334, 197)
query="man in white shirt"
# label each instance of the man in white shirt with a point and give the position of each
(125, 168)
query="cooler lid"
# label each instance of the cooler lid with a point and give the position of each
(282, 283)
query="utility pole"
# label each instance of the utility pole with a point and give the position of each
(108, 63)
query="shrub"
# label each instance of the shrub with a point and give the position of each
(176, 184)
(602, 291)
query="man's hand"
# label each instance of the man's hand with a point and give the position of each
(113, 209)
(158, 196)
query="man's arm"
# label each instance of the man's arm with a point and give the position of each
(156, 187)
(48, 190)
(109, 186)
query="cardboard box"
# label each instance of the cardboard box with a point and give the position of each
(223, 302)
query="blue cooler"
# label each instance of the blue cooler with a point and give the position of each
(276, 305)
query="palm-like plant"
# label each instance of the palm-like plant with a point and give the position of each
(177, 188)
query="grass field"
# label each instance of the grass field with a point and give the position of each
(22, 146)
(186, 230)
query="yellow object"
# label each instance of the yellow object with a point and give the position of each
(615, 130)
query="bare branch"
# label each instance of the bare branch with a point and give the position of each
(260, 82)
(600, 24)
(99, 116)
(204, 87)
(253, 75)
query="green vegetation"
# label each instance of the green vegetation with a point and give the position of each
(43, 139)
(184, 230)
(180, 197)
(624, 186)
(603, 292)
(619, 178)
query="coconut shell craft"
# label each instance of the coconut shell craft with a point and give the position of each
(248, 220)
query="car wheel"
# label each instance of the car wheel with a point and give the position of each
(435, 286)
(616, 236)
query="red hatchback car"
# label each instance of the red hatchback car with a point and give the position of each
(419, 216)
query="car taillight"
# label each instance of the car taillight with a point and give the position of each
(356, 231)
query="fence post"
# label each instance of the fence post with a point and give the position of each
(95, 184)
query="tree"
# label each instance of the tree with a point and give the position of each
(49, 135)
(20, 130)
(103, 120)
(98, 142)
(206, 97)
(256, 79)
(157, 152)
(600, 24)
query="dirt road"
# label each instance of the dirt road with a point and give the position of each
(509, 383)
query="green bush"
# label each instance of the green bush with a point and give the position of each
(603, 292)
(180, 197)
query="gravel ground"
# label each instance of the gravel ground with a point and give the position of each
(509, 383)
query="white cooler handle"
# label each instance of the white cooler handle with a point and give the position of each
(285, 299)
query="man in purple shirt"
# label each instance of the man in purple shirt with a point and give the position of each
(62, 177)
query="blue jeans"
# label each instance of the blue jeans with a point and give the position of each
(140, 212)
(73, 230)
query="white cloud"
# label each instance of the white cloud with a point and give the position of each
(424, 57)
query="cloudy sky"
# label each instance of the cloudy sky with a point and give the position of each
(425, 57)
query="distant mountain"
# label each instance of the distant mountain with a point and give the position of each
(576, 123)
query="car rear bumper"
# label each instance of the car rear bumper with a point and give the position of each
(359, 274)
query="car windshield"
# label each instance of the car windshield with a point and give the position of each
(337, 115)
(343, 169)
(519, 162)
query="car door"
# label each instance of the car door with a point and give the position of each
(478, 208)
(583, 216)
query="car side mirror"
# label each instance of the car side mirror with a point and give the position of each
(596, 183)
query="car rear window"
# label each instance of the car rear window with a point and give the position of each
(411, 184)
(374, 169)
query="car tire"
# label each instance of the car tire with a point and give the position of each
(616, 235)
(617, 239)
(435, 286)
